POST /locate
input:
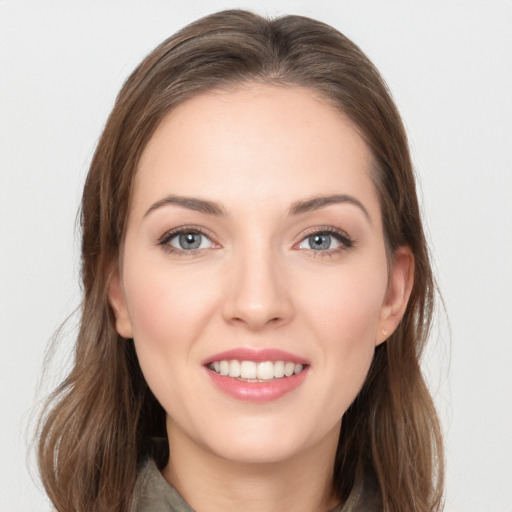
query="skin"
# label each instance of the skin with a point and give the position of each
(256, 282)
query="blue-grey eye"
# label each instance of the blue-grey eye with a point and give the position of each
(321, 241)
(190, 241)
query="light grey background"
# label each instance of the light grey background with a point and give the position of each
(449, 66)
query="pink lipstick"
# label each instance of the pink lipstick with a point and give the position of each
(256, 375)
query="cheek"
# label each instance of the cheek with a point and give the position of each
(345, 319)
(168, 306)
(348, 306)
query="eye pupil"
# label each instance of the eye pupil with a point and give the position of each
(190, 240)
(319, 241)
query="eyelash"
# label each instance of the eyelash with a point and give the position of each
(342, 237)
(164, 240)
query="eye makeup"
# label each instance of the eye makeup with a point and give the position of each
(325, 241)
(190, 240)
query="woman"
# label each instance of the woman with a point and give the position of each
(257, 288)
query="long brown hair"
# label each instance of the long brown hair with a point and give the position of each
(103, 421)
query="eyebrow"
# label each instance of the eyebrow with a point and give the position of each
(318, 202)
(192, 203)
(297, 208)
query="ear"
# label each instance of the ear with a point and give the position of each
(398, 292)
(118, 303)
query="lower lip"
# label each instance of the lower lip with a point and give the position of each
(259, 392)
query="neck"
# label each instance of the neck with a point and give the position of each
(210, 483)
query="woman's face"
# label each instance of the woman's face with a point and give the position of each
(254, 278)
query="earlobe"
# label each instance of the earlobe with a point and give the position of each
(118, 304)
(399, 289)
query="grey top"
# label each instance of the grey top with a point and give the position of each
(153, 493)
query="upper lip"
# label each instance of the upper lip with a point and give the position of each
(256, 355)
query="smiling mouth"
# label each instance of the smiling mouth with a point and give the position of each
(251, 371)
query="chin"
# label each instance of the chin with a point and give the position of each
(264, 441)
(261, 451)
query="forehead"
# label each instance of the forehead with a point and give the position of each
(256, 144)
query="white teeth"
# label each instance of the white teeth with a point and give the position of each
(265, 370)
(250, 370)
(279, 369)
(289, 368)
(234, 368)
(224, 367)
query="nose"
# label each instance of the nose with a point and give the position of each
(258, 295)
